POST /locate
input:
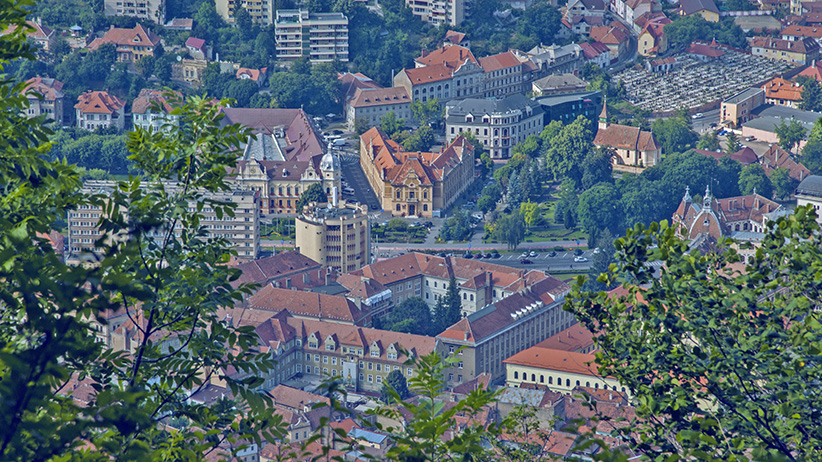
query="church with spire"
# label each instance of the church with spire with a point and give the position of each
(634, 149)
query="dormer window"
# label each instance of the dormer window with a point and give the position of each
(469, 118)
(375, 352)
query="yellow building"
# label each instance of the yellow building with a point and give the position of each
(652, 40)
(802, 51)
(337, 236)
(705, 8)
(415, 183)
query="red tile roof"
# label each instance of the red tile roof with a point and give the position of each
(593, 49)
(147, 96)
(307, 304)
(296, 399)
(303, 141)
(744, 156)
(282, 265)
(556, 360)
(499, 61)
(98, 102)
(796, 30)
(251, 74)
(814, 71)
(574, 338)
(196, 43)
(454, 37)
(379, 97)
(138, 36)
(626, 137)
(51, 89)
(779, 88)
(451, 56)
(704, 50)
(776, 157)
(428, 74)
(805, 46)
(608, 35)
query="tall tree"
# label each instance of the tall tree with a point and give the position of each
(709, 141)
(390, 124)
(412, 316)
(732, 143)
(314, 193)
(675, 134)
(426, 112)
(510, 229)
(243, 22)
(599, 209)
(811, 96)
(394, 382)
(783, 183)
(753, 178)
(790, 134)
(598, 167)
(449, 307)
(568, 150)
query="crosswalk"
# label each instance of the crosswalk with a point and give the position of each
(347, 158)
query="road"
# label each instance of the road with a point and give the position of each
(702, 124)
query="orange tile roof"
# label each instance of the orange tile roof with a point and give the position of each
(428, 74)
(814, 71)
(779, 88)
(451, 56)
(98, 102)
(379, 97)
(776, 157)
(608, 35)
(147, 96)
(626, 137)
(796, 30)
(499, 61)
(51, 89)
(805, 46)
(574, 338)
(556, 360)
(251, 74)
(295, 398)
(138, 36)
(309, 304)
(454, 37)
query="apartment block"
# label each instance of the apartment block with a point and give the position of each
(261, 11)
(242, 230)
(335, 235)
(438, 12)
(322, 37)
(151, 10)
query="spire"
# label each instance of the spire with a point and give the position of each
(707, 199)
(687, 197)
(603, 116)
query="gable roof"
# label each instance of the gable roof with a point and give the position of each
(350, 83)
(806, 45)
(296, 399)
(450, 56)
(779, 88)
(574, 338)
(51, 89)
(454, 37)
(593, 49)
(251, 74)
(308, 304)
(689, 7)
(556, 360)
(710, 51)
(98, 102)
(428, 74)
(795, 30)
(626, 137)
(776, 157)
(299, 131)
(744, 156)
(499, 61)
(283, 264)
(379, 96)
(147, 96)
(138, 36)
(196, 43)
(608, 35)
(814, 71)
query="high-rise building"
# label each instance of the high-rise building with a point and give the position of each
(438, 12)
(261, 11)
(322, 37)
(152, 10)
(337, 236)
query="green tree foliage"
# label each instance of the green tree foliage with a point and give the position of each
(314, 193)
(753, 178)
(390, 124)
(739, 5)
(449, 307)
(361, 126)
(812, 151)
(709, 141)
(531, 212)
(539, 22)
(395, 380)
(790, 134)
(601, 261)
(457, 227)
(732, 143)
(314, 88)
(208, 22)
(566, 211)
(597, 167)
(420, 141)
(811, 96)
(241, 90)
(717, 360)
(243, 22)
(490, 195)
(426, 112)
(674, 134)
(412, 316)
(398, 224)
(685, 29)
(599, 210)
(514, 193)
(510, 229)
(783, 183)
(568, 149)
(92, 151)
(725, 179)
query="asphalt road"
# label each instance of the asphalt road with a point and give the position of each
(703, 123)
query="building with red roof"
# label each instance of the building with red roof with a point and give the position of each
(814, 71)
(131, 44)
(782, 92)
(558, 370)
(446, 73)
(614, 37)
(45, 97)
(415, 183)
(505, 75)
(151, 109)
(802, 51)
(652, 39)
(744, 156)
(95, 109)
(705, 52)
(456, 38)
(596, 52)
(633, 147)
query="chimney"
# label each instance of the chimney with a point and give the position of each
(466, 335)
(111, 27)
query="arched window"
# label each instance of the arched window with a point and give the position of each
(596, 385)
(541, 379)
(516, 374)
(567, 382)
(533, 377)
(588, 384)
(577, 382)
(550, 380)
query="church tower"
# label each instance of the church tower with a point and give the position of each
(331, 172)
(603, 116)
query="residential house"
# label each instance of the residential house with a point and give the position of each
(189, 70)
(585, 8)
(505, 75)
(180, 24)
(739, 108)
(350, 83)
(456, 38)
(131, 44)
(149, 10)
(372, 104)
(744, 156)
(802, 51)
(797, 32)
(258, 76)
(151, 110)
(705, 8)
(615, 38)
(438, 12)
(776, 157)
(813, 71)
(634, 148)
(652, 39)
(499, 124)
(809, 192)
(415, 183)
(558, 84)
(554, 59)
(45, 97)
(42, 36)
(581, 25)
(197, 48)
(502, 329)
(96, 109)
(446, 73)
(597, 53)
(272, 299)
(630, 10)
(782, 92)
(321, 37)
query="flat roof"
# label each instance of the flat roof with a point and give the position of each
(787, 113)
(553, 100)
(743, 95)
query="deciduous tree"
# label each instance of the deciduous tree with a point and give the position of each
(753, 178)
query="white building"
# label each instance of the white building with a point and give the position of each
(96, 109)
(438, 12)
(497, 124)
(145, 114)
(809, 192)
(323, 37)
(152, 10)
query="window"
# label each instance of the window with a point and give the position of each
(370, 366)
(409, 372)
(450, 377)
(370, 378)
(379, 367)
(541, 379)
(459, 378)
(516, 375)
(533, 377)
(325, 359)
(459, 364)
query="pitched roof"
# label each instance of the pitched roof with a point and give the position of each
(796, 30)
(451, 57)
(779, 88)
(147, 96)
(648, 17)
(815, 71)
(428, 74)
(379, 96)
(656, 28)
(41, 32)
(295, 398)
(302, 139)
(196, 43)
(776, 157)
(556, 360)
(744, 156)
(180, 23)
(283, 264)
(806, 45)
(689, 7)
(608, 35)
(704, 50)
(560, 82)
(51, 89)
(360, 287)
(593, 49)
(251, 74)
(138, 36)
(626, 137)
(454, 37)
(574, 338)
(499, 61)
(349, 83)
(308, 304)
(810, 186)
(98, 102)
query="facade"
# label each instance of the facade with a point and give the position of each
(96, 109)
(615, 38)
(797, 32)
(299, 304)
(147, 117)
(372, 104)
(809, 192)
(782, 92)
(559, 371)
(131, 44)
(558, 84)
(568, 106)
(438, 12)
(497, 124)
(321, 37)
(446, 73)
(555, 59)
(428, 277)
(189, 70)
(337, 236)
(705, 8)
(502, 329)
(41, 35)
(597, 53)
(415, 183)
(505, 75)
(45, 98)
(261, 11)
(242, 230)
(197, 48)
(151, 10)
(585, 8)
(652, 40)
(367, 292)
(634, 148)
(802, 51)
(739, 108)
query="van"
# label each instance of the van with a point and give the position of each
(338, 142)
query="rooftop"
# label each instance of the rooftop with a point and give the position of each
(743, 95)
(810, 186)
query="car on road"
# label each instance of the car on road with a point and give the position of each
(552, 254)
(478, 215)
(532, 254)
(713, 124)
(698, 115)
(750, 138)
(722, 133)
(348, 190)
(428, 224)
(525, 261)
(580, 259)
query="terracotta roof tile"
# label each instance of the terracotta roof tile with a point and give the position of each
(451, 57)
(779, 88)
(138, 36)
(379, 97)
(147, 96)
(51, 89)
(98, 102)
(499, 61)
(308, 304)
(805, 46)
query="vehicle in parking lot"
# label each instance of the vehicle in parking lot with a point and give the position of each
(750, 138)
(348, 190)
(488, 255)
(525, 261)
(524, 255)
(552, 254)
(428, 224)
(596, 251)
(441, 254)
(496, 254)
(416, 224)
(532, 254)
(478, 215)
(468, 255)
(577, 252)
(722, 132)
(580, 259)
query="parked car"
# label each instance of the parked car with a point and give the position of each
(428, 224)
(524, 255)
(532, 254)
(468, 255)
(577, 252)
(496, 254)
(580, 259)
(488, 255)
(416, 224)
(722, 132)
(697, 115)
(750, 138)
(525, 261)
(478, 215)
(596, 251)
(441, 254)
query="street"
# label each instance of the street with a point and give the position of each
(703, 124)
